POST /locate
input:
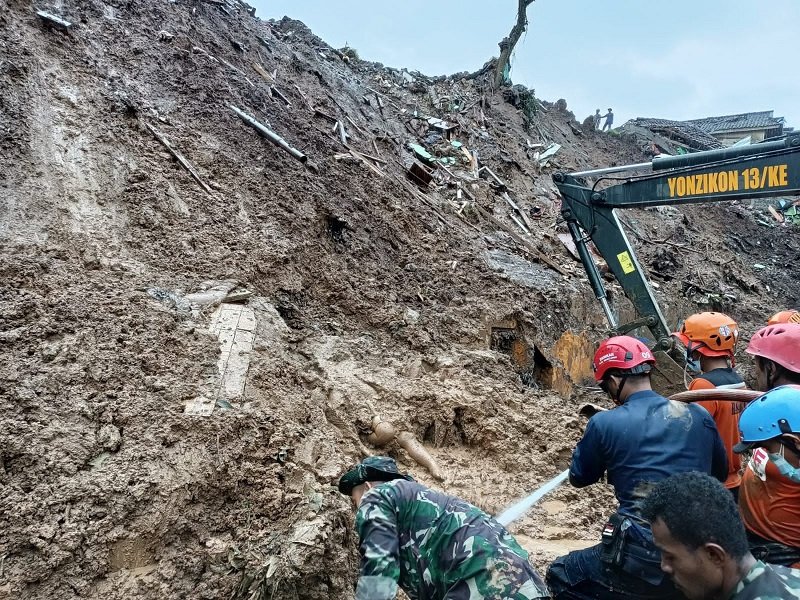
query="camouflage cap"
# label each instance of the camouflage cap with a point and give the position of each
(372, 468)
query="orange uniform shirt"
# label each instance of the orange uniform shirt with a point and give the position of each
(769, 502)
(726, 416)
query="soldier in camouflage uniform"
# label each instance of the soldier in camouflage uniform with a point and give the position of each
(433, 546)
(703, 543)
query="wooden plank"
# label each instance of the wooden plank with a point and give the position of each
(319, 113)
(276, 92)
(303, 96)
(366, 161)
(263, 72)
(357, 128)
(522, 214)
(519, 239)
(183, 162)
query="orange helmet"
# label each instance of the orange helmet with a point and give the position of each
(710, 334)
(785, 316)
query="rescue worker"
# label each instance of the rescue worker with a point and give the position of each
(710, 340)
(645, 439)
(776, 349)
(704, 546)
(433, 546)
(784, 316)
(770, 492)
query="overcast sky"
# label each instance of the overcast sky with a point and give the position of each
(676, 59)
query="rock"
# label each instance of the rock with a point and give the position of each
(109, 437)
(410, 316)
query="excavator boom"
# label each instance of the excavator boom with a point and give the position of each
(767, 169)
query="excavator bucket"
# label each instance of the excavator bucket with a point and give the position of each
(667, 374)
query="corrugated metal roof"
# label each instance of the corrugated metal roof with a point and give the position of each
(680, 131)
(753, 120)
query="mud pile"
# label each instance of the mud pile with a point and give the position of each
(196, 348)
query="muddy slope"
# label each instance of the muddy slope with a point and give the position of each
(364, 295)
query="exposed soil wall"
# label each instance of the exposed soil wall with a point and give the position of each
(370, 296)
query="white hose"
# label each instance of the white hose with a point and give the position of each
(515, 511)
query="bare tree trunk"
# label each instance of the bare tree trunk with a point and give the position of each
(508, 43)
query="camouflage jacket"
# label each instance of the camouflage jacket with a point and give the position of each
(768, 582)
(436, 546)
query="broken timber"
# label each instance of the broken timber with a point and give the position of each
(342, 133)
(184, 163)
(318, 112)
(270, 135)
(522, 214)
(519, 239)
(276, 92)
(303, 96)
(236, 70)
(366, 161)
(262, 71)
(495, 177)
(357, 128)
(375, 158)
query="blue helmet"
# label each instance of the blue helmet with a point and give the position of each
(769, 416)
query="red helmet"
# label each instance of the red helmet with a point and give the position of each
(785, 316)
(710, 334)
(778, 343)
(621, 352)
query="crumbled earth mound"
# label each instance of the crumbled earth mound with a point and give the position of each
(198, 329)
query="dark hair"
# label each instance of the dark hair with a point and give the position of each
(697, 509)
(643, 370)
(780, 371)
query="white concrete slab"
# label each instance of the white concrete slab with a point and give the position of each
(234, 325)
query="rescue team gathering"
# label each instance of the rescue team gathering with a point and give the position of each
(708, 491)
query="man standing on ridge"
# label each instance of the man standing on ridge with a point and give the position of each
(609, 120)
(644, 440)
(710, 339)
(433, 546)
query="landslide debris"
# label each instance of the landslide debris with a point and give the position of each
(196, 347)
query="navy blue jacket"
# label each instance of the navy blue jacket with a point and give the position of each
(645, 440)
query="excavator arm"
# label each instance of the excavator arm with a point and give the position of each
(761, 170)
